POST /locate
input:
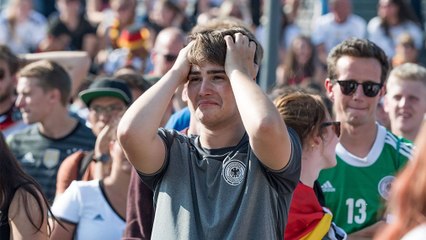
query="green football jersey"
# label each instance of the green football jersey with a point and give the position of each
(356, 189)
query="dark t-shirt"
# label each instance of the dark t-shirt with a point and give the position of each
(222, 193)
(4, 223)
(41, 156)
(58, 28)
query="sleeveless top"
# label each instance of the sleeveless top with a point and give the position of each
(4, 218)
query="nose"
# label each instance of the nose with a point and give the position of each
(104, 116)
(358, 92)
(403, 102)
(205, 87)
(19, 101)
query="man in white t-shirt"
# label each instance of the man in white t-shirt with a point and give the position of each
(337, 25)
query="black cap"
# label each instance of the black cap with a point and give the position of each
(107, 88)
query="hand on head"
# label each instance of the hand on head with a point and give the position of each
(182, 64)
(240, 53)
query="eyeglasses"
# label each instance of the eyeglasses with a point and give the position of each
(336, 127)
(348, 87)
(170, 57)
(106, 110)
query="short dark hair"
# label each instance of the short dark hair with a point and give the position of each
(210, 45)
(49, 75)
(11, 60)
(357, 47)
(134, 81)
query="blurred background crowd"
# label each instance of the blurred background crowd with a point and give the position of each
(86, 43)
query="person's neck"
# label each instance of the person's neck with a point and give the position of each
(117, 182)
(340, 20)
(227, 136)
(57, 125)
(410, 135)
(310, 167)
(358, 140)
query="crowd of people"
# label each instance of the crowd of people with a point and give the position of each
(122, 124)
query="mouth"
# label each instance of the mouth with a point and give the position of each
(206, 103)
(356, 108)
(404, 115)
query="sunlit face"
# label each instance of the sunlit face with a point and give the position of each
(68, 6)
(163, 15)
(302, 50)
(34, 103)
(104, 109)
(405, 102)
(7, 82)
(387, 9)
(342, 9)
(165, 53)
(124, 10)
(407, 51)
(356, 109)
(210, 95)
(24, 7)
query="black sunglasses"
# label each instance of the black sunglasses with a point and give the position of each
(170, 57)
(336, 127)
(348, 87)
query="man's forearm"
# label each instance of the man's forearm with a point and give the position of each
(145, 114)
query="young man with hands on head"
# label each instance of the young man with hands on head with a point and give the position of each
(234, 180)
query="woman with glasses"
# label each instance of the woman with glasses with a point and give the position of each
(95, 209)
(307, 114)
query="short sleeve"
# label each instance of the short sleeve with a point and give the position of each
(67, 206)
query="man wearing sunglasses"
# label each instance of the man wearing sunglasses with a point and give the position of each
(368, 156)
(106, 100)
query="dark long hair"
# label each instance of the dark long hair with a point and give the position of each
(13, 177)
(405, 13)
(294, 70)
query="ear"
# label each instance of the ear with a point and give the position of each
(314, 140)
(54, 95)
(256, 70)
(385, 104)
(383, 91)
(184, 94)
(329, 88)
(14, 81)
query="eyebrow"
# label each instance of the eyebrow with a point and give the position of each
(208, 72)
